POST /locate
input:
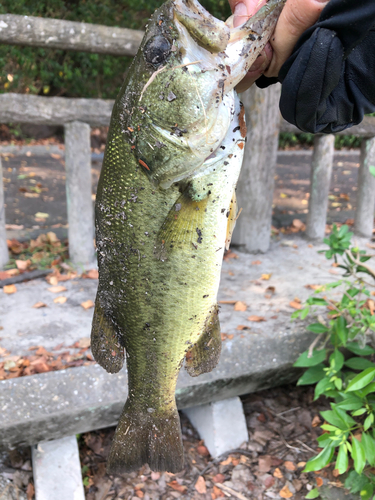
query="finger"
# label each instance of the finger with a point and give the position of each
(243, 9)
(256, 70)
(296, 17)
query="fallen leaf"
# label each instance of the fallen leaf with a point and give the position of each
(264, 463)
(41, 215)
(84, 342)
(200, 485)
(38, 305)
(373, 292)
(227, 461)
(93, 274)
(283, 195)
(333, 271)
(230, 255)
(203, 451)
(228, 301)
(60, 300)
(298, 224)
(269, 481)
(301, 464)
(52, 280)
(312, 287)
(219, 478)
(22, 265)
(266, 277)
(52, 238)
(178, 487)
(242, 327)
(319, 481)
(336, 473)
(285, 492)
(55, 156)
(9, 289)
(370, 304)
(271, 289)
(241, 306)
(57, 289)
(87, 304)
(256, 262)
(30, 491)
(289, 465)
(139, 493)
(256, 319)
(295, 305)
(277, 473)
(155, 476)
(218, 492)
(316, 421)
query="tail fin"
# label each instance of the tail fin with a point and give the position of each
(149, 438)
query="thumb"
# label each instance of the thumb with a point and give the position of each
(295, 18)
(243, 9)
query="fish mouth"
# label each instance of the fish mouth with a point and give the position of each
(215, 35)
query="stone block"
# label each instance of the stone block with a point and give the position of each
(222, 425)
(57, 470)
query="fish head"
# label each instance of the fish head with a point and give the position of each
(182, 85)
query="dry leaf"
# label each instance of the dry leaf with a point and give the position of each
(22, 265)
(319, 482)
(52, 238)
(228, 301)
(178, 487)
(312, 287)
(269, 481)
(52, 280)
(370, 305)
(9, 289)
(277, 473)
(373, 292)
(227, 461)
(298, 224)
(256, 262)
(336, 473)
(217, 491)
(295, 305)
(316, 421)
(57, 289)
(30, 491)
(301, 464)
(256, 319)
(93, 274)
(219, 478)
(200, 485)
(41, 215)
(84, 342)
(203, 451)
(241, 306)
(60, 300)
(55, 156)
(271, 289)
(242, 327)
(289, 465)
(285, 492)
(87, 304)
(266, 277)
(264, 463)
(38, 305)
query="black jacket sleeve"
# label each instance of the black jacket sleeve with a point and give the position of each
(328, 83)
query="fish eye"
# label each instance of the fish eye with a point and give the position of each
(157, 50)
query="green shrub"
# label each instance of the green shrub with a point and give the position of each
(347, 323)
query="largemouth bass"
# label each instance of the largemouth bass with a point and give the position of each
(165, 210)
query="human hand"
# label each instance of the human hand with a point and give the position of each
(296, 17)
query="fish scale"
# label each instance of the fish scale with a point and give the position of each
(165, 210)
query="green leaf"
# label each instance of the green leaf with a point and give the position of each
(343, 230)
(367, 491)
(323, 440)
(317, 328)
(337, 360)
(360, 351)
(321, 460)
(358, 455)
(316, 358)
(359, 363)
(361, 380)
(367, 390)
(368, 422)
(343, 415)
(342, 459)
(331, 428)
(331, 417)
(312, 375)
(316, 301)
(322, 386)
(350, 402)
(355, 482)
(359, 412)
(314, 493)
(372, 170)
(368, 443)
(342, 329)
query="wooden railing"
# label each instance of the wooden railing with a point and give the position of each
(256, 183)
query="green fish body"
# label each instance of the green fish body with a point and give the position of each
(165, 210)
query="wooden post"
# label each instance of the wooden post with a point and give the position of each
(256, 183)
(321, 171)
(78, 192)
(4, 256)
(364, 215)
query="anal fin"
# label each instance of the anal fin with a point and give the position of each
(205, 354)
(105, 346)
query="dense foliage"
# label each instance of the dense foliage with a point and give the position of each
(76, 74)
(341, 364)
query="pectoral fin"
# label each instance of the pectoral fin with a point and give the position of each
(232, 217)
(205, 354)
(183, 227)
(105, 346)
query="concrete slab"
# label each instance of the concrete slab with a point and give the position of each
(57, 470)
(57, 404)
(222, 425)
